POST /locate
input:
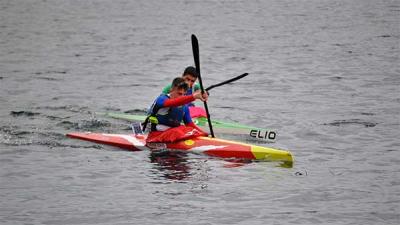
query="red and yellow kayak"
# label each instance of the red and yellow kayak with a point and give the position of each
(204, 145)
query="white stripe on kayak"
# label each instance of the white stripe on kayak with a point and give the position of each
(134, 141)
(140, 145)
(201, 149)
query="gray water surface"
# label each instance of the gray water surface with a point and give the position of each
(324, 74)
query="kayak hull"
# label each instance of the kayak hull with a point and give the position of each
(218, 126)
(201, 145)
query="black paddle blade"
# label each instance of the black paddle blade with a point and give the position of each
(227, 81)
(196, 54)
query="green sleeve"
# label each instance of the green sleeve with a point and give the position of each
(196, 86)
(167, 89)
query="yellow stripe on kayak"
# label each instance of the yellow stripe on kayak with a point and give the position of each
(270, 154)
(263, 153)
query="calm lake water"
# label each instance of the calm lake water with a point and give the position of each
(324, 74)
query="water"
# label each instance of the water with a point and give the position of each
(323, 74)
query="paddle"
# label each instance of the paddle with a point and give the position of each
(196, 56)
(227, 81)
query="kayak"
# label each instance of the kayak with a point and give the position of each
(218, 126)
(201, 145)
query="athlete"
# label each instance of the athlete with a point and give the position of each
(169, 111)
(190, 76)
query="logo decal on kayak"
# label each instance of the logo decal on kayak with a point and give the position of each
(270, 135)
(189, 142)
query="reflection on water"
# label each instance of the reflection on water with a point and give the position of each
(172, 165)
(177, 165)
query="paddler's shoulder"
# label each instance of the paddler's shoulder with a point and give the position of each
(167, 89)
(197, 86)
(161, 99)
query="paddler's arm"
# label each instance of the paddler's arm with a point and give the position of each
(183, 100)
(198, 88)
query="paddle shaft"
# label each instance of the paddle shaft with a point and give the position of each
(227, 81)
(196, 56)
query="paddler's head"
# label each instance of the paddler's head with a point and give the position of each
(179, 87)
(190, 75)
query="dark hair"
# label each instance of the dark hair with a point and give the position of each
(190, 70)
(179, 82)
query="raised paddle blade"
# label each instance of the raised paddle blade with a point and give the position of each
(196, 56)
(227, 81)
